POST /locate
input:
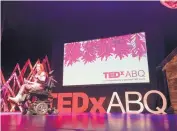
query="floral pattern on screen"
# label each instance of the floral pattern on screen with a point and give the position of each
(117, 47)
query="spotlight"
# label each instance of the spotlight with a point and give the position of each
(172, 4)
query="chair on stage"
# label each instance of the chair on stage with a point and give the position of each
(40, 102)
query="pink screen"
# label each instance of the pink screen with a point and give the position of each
(119, 59)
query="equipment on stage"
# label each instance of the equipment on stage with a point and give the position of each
(169, 69)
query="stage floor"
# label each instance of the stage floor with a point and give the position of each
(88, 122)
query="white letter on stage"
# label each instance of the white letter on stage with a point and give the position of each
(115, 105)
(133, 102)
(159, 111)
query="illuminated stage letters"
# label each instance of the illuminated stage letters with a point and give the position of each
(80, 102)
(128, 102)
(74, 103)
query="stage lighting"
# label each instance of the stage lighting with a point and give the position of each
(172, 4)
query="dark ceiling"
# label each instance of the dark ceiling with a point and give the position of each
(30, 28)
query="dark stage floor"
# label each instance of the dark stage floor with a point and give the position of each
(89, 122)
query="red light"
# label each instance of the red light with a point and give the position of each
(172, 4)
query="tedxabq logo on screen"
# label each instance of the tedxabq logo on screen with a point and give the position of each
(126, 74)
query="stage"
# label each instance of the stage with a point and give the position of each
(104, 61)
(88, 122)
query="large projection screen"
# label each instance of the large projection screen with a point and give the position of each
(114, 60)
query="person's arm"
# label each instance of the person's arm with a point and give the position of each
(41, 78)
(29, 82)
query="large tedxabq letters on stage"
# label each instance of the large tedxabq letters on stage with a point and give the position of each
(120, 59)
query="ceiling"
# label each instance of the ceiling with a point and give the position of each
(39, 24)
(54, 15)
